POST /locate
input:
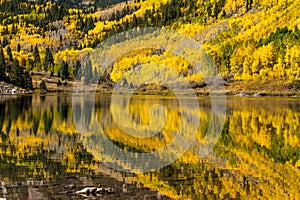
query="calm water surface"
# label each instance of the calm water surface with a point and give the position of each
(49, 149)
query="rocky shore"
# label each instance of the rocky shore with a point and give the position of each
(9, 89)
(77, 187)
(231, 88)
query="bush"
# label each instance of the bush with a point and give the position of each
(59, 83)
(43, 85)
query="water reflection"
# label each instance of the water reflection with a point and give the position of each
(140, 133)
(256, 156)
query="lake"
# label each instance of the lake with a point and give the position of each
(149, 147)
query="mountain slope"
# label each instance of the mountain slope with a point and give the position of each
(248, 40)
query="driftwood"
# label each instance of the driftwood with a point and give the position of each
(51, 81)
(44, 74)
(95, 191)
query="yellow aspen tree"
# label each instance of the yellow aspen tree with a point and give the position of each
(278, 69)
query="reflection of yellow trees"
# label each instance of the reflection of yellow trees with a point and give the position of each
(258, 150)
(139, 109)
(178, 120)
(252, 173)
(41, 135)
(254, 166)
(261, 124)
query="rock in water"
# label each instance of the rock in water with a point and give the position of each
(242, 94)
(87, 190)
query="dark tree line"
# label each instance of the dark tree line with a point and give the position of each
(85, 24)
(282, 38)
(16, 7)
(163, 15)
(13, 72)
(106, 3)
(17, 73)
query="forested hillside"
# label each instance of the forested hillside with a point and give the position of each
(248, 40)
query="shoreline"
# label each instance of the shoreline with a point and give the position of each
(229, 93)
(234, 88)
(203, 91)
(256, 94)
(261, 88)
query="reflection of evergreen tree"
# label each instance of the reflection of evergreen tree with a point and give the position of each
(63, 108)
(8, 126)
(48, 121)
(77, 112)
(2, 115)
(64, 112)
(35, 124)
(87, 112)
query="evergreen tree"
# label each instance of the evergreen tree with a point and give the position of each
(29, 64)
(2, 65)
(88, 73)
(22, 62)
(48, 61)
(18, 48)
(27, 81)
(80, 24)
(134, 21)
(5, 42)
(65, 71)
(36, 55)
(77, 73)
(9, 53)
(96, 76)
(43, 85)
(89, 24)
(17, 74)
